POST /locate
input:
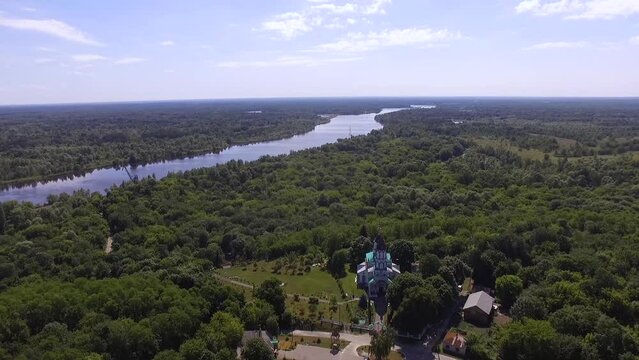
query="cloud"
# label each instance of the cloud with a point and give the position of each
(634, 40)
(43, 60)
(558, 45)
(50, 27)
(355, 42)
(376, 7)
(167, 43)
(129, 60)
(288, 24)
(337, 9)
(88, 57)
(284, 61)
(580, 9)
(324, 13)
(29, 9)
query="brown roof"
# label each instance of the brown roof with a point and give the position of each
(453, 338)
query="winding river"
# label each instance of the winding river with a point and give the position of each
(339, 127)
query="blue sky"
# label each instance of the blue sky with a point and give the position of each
(84, 51)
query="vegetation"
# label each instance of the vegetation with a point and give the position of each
(564, 225)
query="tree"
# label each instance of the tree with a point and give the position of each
(195, 349)
(527, 340)
(332, 307)
(224, 330)
(429, 265)
(507, 288)
(256, 349)
(271, 292)
(363, 302)
(3, 220)
(359, 247)
(381, 343)
(529, 306)
(400, 286)
(420, 307)
(403, 253)
(337, 262)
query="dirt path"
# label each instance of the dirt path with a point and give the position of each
(301, 297)
(109, 246)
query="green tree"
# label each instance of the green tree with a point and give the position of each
(429, 265)
(130, 340)
(382, 342)
(420, 307)
(359, 247)
(403, 253)
(527, 340)
(3, 219)
(529, 306)
(196, 349)
(271, 292)
(400, 286)
(337, 262)
(256, 349)
(508, 288)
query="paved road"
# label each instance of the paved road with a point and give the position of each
(305, 352)
(249, 286)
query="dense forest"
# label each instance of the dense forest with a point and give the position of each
(555, 235)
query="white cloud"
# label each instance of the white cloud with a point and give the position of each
(50, 27)
(287, 61)
(337, 9)
(129, 60)
(167, 43)
(87, 57)
(580, 9)
(376, 7)
(558, 45)
(29, 9)
(634, 40)
(43, 60)
(289, 24)
(324, 13)
(354, 42)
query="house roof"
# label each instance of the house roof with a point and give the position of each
(455, 339)
(481, 300)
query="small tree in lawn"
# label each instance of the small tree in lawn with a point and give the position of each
(381, 343)
(333, 306)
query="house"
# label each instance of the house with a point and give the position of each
(479, 308)
(455, 343)
(376, 273)
(259, 334)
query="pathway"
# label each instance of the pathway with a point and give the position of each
(109, 246)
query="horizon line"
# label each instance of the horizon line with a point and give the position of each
(395, 97)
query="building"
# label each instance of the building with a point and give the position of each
(479, 308)
(377, 271)
(455, 343)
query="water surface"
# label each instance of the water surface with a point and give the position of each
(339, 127)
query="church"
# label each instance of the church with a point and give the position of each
(377, 271)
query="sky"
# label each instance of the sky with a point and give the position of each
(68, 51)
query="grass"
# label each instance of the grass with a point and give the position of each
(313, 283)
(532, 154)
(289, 342)
(394, 355)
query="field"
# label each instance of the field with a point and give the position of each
(316, 282)
(532, 154)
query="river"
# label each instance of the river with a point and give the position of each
(339, 127)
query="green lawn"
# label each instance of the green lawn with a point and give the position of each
(314, 283)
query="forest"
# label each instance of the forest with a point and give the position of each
(455, 187)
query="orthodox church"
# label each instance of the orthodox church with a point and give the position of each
(377, 271)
